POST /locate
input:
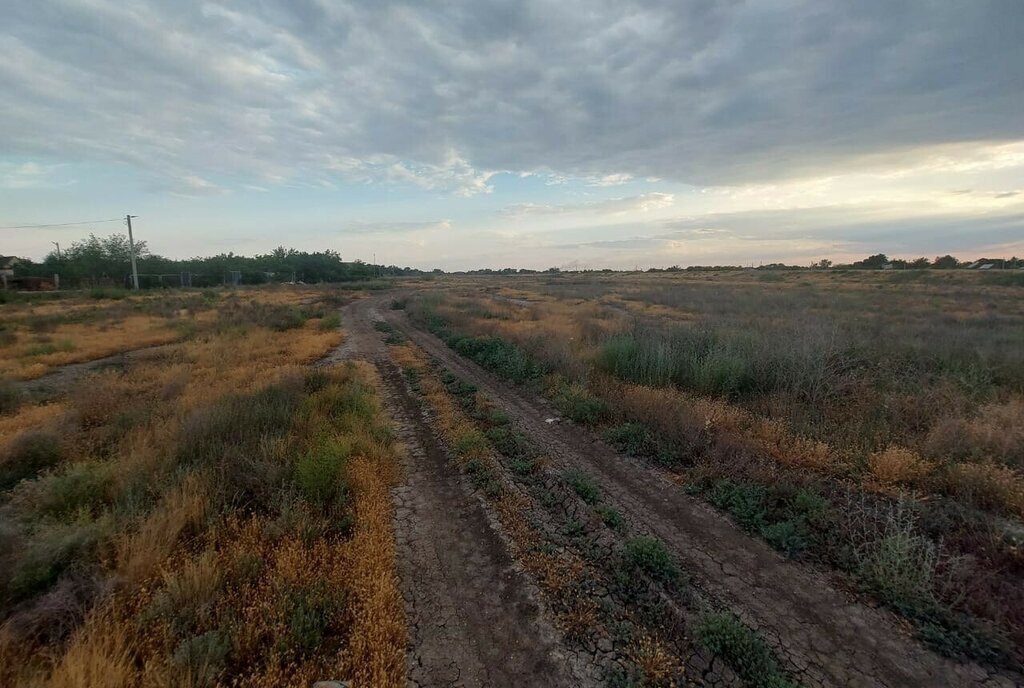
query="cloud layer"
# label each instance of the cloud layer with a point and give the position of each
(442, 95)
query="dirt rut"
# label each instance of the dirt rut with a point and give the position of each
(474, 617)
(823, 636)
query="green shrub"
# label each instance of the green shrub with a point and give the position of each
(742, 649)
(199, 660)
(899, 563)
(577, 404)
(77, 487)
(745, 502)
(470, 443)
(399, 304)
(47, 348)
(508, 441)
(11, 397)
(632, 438)
(647, 554)
(28, 454)
(498, 355)
(330, 322)
(584, 486)
(612, 518)
(318, 473)
(523, 467)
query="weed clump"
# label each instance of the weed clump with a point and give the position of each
(742, 649)
(584, 486)
(11, 397)
(649, 555)
(318, 472)
(581, 407)
(330, 322)
(27, 455)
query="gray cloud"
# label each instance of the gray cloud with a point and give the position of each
(444, 94)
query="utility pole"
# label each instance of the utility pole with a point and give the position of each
(131, 249)
(57, 244)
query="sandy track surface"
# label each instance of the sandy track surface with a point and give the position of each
(474, 617)
(823, 635)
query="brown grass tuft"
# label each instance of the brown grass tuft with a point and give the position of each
(898, 466)
(141, 553)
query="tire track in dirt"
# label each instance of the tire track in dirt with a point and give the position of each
(58, 380)
(823, 636)
(474, 618)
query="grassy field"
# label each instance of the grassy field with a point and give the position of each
(213, 513)
(871, 422)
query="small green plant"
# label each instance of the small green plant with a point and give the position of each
(522, 467)
(611, 518)
(470, 443)
(498, 355)
(318, 472)
(584, 486)
(199, 660)
(330, 322)
(632, 438)
(742, 649)
(47, 348)
(578, 405)
(399, 304)
(11, 397)
(28, 454)
(647, 554)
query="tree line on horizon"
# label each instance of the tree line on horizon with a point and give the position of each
(107, 261)
(97, 261)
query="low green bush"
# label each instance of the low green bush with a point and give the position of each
(318, 473)
(27, 455)
(584, 486)
(742, 649)
(11, 397)
(647, 554)
(330, 322)
(611, 518)
(499, 356)
(578, 405)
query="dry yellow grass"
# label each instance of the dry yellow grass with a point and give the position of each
(142, 552)
(30, 418)
(87, 342)
(376, 650)
(100, 655)
(898, 466)
(988, 484)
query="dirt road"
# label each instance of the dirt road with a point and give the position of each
(823, 636)
(475, 618)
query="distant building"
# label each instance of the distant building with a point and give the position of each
(7, 264)
(986, 266)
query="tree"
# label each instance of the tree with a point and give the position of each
(919, 263)
(875, 262)
(946, 262)
(823, 264)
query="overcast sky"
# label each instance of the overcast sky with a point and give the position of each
(487, 134)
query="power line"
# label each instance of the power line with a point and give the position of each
(63, 224)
